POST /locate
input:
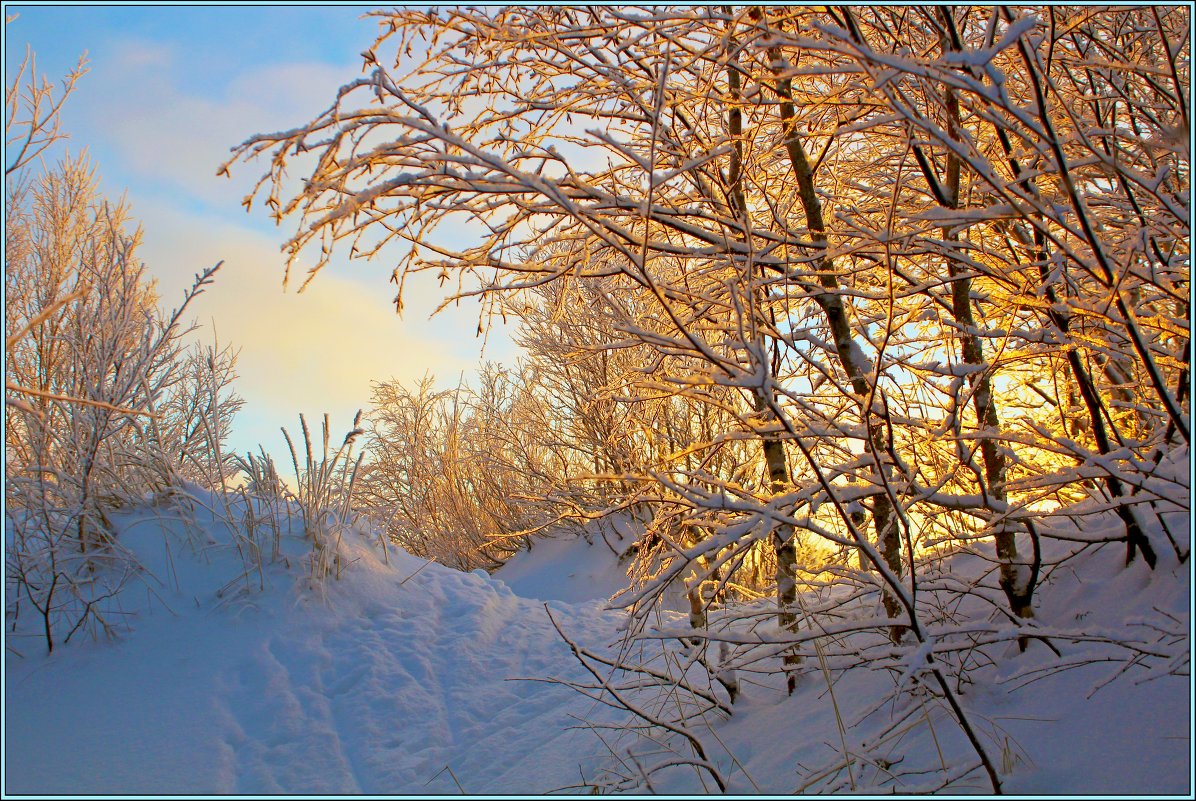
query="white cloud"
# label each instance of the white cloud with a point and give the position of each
(162, 134)
(138, 55)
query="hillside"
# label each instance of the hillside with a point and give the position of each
(404, 677)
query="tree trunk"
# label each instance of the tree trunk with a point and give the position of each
(782, 534)
(1015, 582)
(852, 359)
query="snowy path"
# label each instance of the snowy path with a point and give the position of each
(384, 689)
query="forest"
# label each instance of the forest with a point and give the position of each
(856, 336)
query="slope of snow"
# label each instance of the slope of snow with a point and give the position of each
(570, 568)
(1066, 732)
(379, 686)
(401, 678)
(1109, 714)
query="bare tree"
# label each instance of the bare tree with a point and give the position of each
(32, 114)
(90, 359)
(861, 237)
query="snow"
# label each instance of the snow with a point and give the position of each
(570, 569)
(403, 677)
(376, 687)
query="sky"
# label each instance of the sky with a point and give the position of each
(168, 92)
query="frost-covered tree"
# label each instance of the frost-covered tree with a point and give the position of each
(192, 424)
(96, 394)
(721, 269)
(889, 234)
(459, 475)
(89, 373)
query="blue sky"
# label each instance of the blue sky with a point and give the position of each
(168, 92)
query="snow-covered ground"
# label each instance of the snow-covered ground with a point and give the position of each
(403, 677)
(397, 678)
